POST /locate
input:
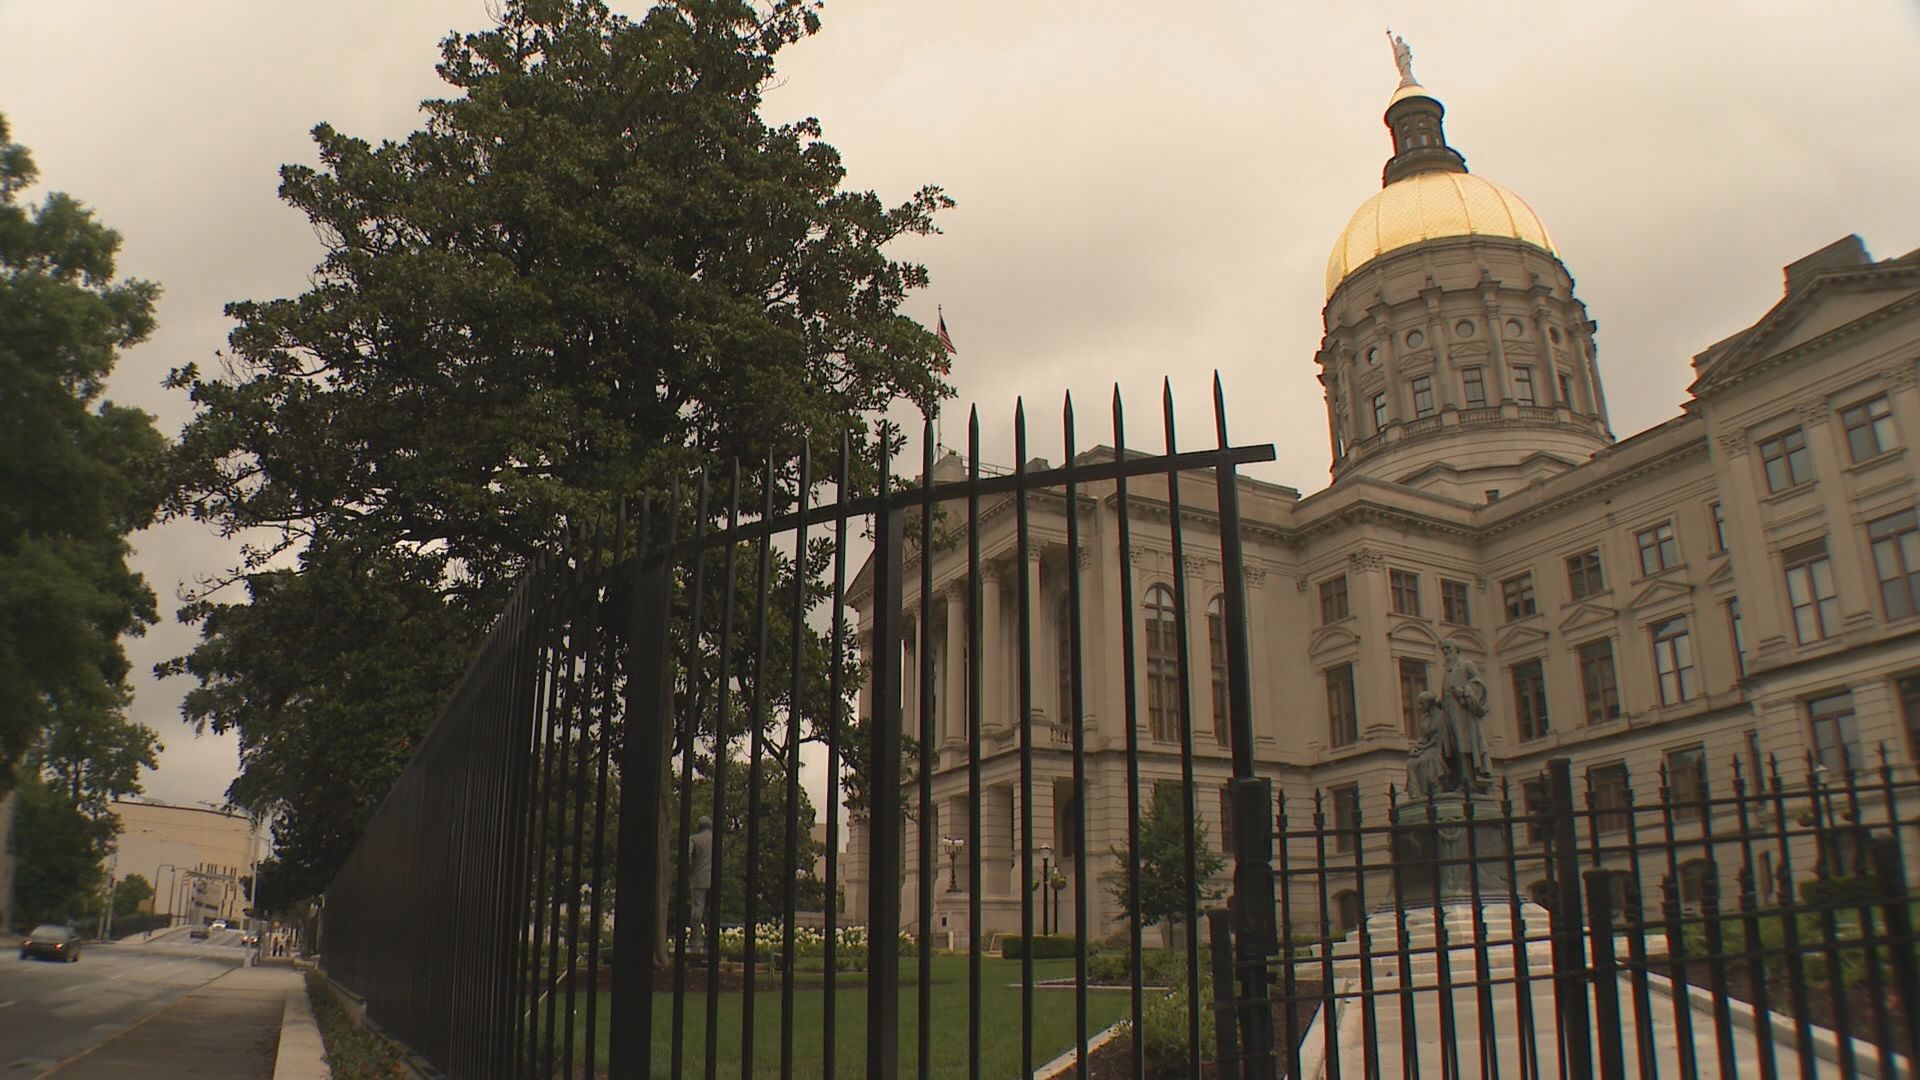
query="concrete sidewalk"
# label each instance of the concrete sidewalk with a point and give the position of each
(229, 1028)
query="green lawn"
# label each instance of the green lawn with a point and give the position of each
(1053, 1019)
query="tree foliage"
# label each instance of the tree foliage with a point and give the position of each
(593, 269)
(61, 871)
(772, 872)
(77, 474)
(1163, 862)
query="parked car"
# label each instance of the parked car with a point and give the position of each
(217, 924)
(197, 933)
(51, 942)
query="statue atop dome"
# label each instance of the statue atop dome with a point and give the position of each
(1402, 58)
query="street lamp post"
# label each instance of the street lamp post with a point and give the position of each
(1046, 882)
(954, 845)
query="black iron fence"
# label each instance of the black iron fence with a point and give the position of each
(1687, 923)
(1008, 690)
(538, 896)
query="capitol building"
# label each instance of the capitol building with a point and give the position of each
(1742, 580)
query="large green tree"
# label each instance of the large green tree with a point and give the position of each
(595, 268)
(77, 475)
(1162, 861)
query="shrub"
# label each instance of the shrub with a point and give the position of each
(1165, 1035)
(1045, 946)
(1158, 967)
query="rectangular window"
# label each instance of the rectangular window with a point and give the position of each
(1687, 783)
(1658, 548)
(1343, 724)
(1217, 652)
(1530, 699)
(1869, 428)
(1523, 385)
(1756, 777)
(1346, 816)
(1816, 609)
(1786, 461)
(1473, 387)
(1516, 593)
(1536, 804)
(1453, 602)
(1413, 681)
(1566, 390)
(1673, 661)
(1404, 588)
(1719, 528)
(1739, 636)
(1599, 681)
(1380, 412)
(1909, 689)
(1607, 787)
(1423, 396)
(1333, 599)
(1584, 577)
(1896, 562)
(1836, 734)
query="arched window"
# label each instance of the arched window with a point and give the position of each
(1217, 652)
(1163, 666)
(1063, 658)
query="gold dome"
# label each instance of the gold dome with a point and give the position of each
(1427, 206)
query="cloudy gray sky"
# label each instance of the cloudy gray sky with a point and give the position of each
(1144, 189)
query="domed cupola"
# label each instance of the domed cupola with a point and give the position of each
(1456, 357)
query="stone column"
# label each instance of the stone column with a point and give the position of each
(1390, 364)
(993, 649)
(1499, 388)
(1038, 637)
(1443, 389)
(953, 704)
(1583, 341)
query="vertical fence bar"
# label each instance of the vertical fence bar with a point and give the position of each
(837, 651)
(1252, 906)
(722, 740)
(1643, 1025)
(688, 725)
(1790, 928)
(796, 639)
(756, 749)
(611, 595)
(1289, 978)
(1824, 908)
(1677, 948)
(1569, 961)
(1442, 950)
(643, 765)
(1077, 704)
(883, 905)
(1750, 929)
(1023, 546)
(1606, 975)
(584, 709)
(1482, 966)
(1527, 1037)
(1897, 910)
(1868, 912)
(1715, 930)
(976, 653)
(1369, 1020)
(1402, 942)
(1226, 1052)
(1184, 660)
(923, 892)
(1331, 1046)
(1130, 700)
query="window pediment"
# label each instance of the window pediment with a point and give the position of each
(1332, 639)
(1585, 615)
(1659, 591)
(1521, 635)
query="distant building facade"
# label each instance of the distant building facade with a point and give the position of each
(1740, 581)
(197, 860)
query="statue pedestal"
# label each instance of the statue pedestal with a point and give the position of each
(1450, 848)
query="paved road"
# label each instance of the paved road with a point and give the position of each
(49, 1011)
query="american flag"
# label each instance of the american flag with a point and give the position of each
(946, 343)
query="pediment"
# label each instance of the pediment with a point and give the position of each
(1328, 639)
(1828, 304)
(1413, 631)
(1584, 616)
(1722, 574)
(1660, 591)
(1472, 349)
(1520, 635)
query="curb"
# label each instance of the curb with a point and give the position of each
(302, 1056)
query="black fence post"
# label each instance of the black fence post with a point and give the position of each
(1569, 947)
(1606, 979)
(1226, 1054)
(1897, 910)
(883, 905)
(1252, 908)
(648, 709)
